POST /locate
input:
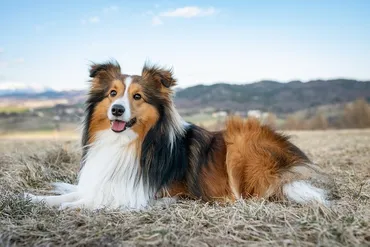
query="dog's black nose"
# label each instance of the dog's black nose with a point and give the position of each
(118, 110)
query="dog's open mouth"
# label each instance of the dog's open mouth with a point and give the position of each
(119, 126)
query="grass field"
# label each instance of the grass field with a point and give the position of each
(13, 109)
(29, 165)
(40, 135)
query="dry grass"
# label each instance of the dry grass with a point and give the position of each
(344, 156)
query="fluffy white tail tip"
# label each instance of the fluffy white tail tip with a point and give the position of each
(302, 192)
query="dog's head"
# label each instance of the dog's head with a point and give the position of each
(123, 102)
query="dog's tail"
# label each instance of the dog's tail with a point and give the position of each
(63, 188)
(303, 192)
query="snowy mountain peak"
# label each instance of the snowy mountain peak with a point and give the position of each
(9, 88)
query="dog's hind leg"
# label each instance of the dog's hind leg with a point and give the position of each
(261, 162)
(53, 200)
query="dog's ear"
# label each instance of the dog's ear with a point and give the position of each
(109, 69)
(159, 76)
(102, 75)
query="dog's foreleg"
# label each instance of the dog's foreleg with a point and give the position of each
(63, 188)
(79, 204)
(54, 200)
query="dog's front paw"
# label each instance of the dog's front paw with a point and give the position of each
(77, 205)
(67, 206)
(30, 197)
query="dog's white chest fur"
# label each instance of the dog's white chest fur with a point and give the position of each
(110, 177)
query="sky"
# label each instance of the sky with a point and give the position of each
(52, 43)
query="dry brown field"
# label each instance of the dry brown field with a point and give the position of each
(30, 164)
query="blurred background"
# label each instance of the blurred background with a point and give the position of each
(295, 65)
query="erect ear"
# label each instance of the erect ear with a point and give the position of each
(109, 69)
(158, 75)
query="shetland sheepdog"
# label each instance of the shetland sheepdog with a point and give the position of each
(137, 150)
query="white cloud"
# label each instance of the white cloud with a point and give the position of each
(156, 21)
(111, 8)
(189, 12)
(93, 20)
(1, 50)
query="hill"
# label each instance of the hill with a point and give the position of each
(273, 96)
(264, 95)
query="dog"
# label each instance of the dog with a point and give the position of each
(137, 151)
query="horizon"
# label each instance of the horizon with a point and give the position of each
(51, 43)
(43, 88)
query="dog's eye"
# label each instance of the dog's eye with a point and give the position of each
(137, 96)
(113, 93)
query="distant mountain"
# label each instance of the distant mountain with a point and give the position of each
(11, 88)
(48, 94)
(264, 95)
(20, 91)
(272, 96)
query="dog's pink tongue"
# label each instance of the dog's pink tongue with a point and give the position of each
(118, 126)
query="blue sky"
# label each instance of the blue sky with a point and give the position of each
(53, 42)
